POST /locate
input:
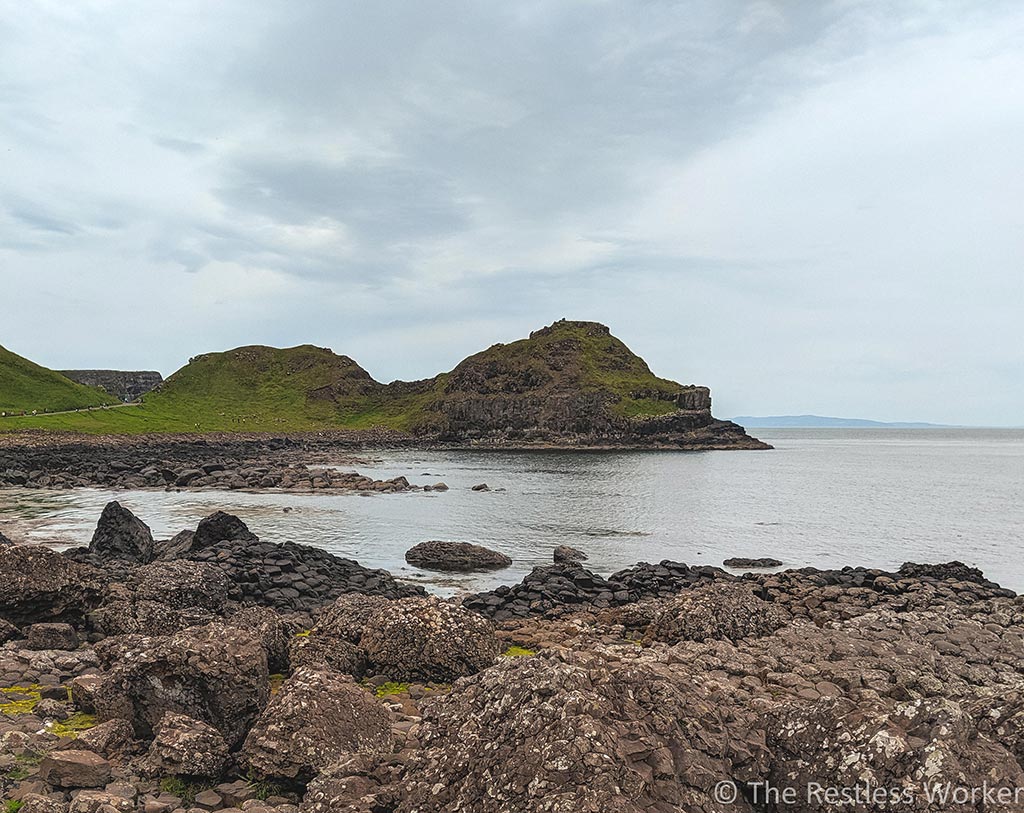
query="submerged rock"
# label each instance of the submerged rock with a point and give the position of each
(455, 557)
(567, 553)
(741, 562)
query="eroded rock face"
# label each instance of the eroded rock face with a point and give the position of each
(52, 636)
(182, 585)
(121, 535)
(216, 674)
(455, 557)
(428, 639)
(909, 752)
(183, 746)
(718, 611)
(42, 585)
(316, 718)
(576, 733)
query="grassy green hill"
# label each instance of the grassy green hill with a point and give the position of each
(25, 386)
(567, 374)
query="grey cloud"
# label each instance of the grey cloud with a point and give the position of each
(793, 202)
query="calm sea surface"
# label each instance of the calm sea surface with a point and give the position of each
(825, 498)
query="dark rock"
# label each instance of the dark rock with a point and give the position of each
(42, 585)
(4, 540)
(273, 633)
(52, 636)
(120, 534)
(83, 692)
(315, 719)
(175, 547)
(221, 527)
(955, 571)
(741, 562)
(182, 585)
(455, 557)
(480, 487)
(428, 639)
(217, 674)
(564, 554)
(8, 632)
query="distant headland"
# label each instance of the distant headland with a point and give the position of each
(570, 384)
(824, 422)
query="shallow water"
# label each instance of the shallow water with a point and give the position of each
(824, 497)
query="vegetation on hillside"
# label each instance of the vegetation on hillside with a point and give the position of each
(308, 388)
(25, 386)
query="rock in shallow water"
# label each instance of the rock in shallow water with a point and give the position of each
(455, 557)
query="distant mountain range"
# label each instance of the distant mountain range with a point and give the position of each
(824, 422)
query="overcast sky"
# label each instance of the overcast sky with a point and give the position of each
(808, 206)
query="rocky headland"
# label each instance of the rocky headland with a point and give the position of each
(571, 384)
(216, 671)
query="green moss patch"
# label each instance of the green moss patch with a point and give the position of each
(74, 725)
(17, 700)
(518, 652)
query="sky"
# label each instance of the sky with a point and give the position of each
(810, 207)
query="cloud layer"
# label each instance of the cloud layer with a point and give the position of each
(811, 207)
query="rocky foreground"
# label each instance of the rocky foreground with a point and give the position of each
(215, 671)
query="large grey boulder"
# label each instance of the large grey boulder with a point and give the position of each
(216, 674)
(121, 535)
(316, 718)
(42, 585)
(428, 639)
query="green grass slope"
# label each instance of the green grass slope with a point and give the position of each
(576, 365)
(26, 386)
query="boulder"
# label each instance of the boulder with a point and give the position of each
(74, 769)
(178, 545)
(182, 585)
(38, 803)
(718, 611)
(221, 527)
(953, 571)
(347, 617)
(8, 632)
(216, 674)
(455, 557)
(121, 535)
(4, 540)
(185, 747)
(52, 636)
(902, 750)
(572, 732)
(739, 562)
(327, 651)
(271, 630)
(83, 692)
(566, 553)
(42, 585)
(428, 639)
(316, 718)
(111, 739)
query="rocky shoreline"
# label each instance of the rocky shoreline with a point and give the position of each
(225, 461)
(215, 671)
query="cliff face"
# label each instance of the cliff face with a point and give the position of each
(125, 385)
(571, 383)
